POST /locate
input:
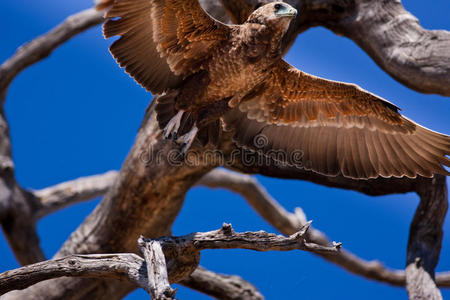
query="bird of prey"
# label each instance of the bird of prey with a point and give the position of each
(211, 76)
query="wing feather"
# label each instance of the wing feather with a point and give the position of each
(161, 41)
(339, 127)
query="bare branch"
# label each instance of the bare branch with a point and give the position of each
(443, 279)
(7, 181)
(43, 46)
(71, 192)
(220, 286)
(287, 223)
(22, 236)
(425, 240)
(158, 280)
(157, 252)
(117, 266)
(393, 37)
(145, 199)
(227, 238)
(24, 208)
(125, 267)
(16, 205)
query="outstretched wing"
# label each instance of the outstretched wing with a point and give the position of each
(161, 41)
(336, 128)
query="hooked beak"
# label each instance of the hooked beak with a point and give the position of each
(287, 11)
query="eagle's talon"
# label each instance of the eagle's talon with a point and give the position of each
(170, 131)
(186, 140)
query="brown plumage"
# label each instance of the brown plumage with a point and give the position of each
(212, 75)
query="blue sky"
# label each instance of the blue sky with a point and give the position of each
(77, 113)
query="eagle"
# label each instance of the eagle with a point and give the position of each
(211, 76)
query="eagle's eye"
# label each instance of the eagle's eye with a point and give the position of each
(278, 6)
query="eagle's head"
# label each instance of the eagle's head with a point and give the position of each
(274, 14)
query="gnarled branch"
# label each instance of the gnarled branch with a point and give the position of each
(287, 223)
(117, 266)
(221, 286)
(43, 46)
(425, 240)
(227, 238)
(17, 206)
(158, 280)
(71, 192)
(161, 256)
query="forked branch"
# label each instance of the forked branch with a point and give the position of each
(167, 260)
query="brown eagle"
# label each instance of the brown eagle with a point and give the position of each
(211, 76)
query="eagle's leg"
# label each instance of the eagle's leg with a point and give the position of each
(172, 127)
(187, 139)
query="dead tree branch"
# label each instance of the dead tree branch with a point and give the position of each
(64, 194)
(43, 46)
(158, 279)
(287, 223)
(160, 254)
(394, 39)
(425, 240)
(221, 286)
(117, 266)
(125, 267)
(227, 238)
(17, 206)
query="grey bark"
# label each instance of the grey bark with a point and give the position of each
(221, 286)
(165, 258)
(117, 266)
(17, 205)
(425, 240)
(227, 238)
(158, 279)
(54, 198)
(394, 38)
(288, 223)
